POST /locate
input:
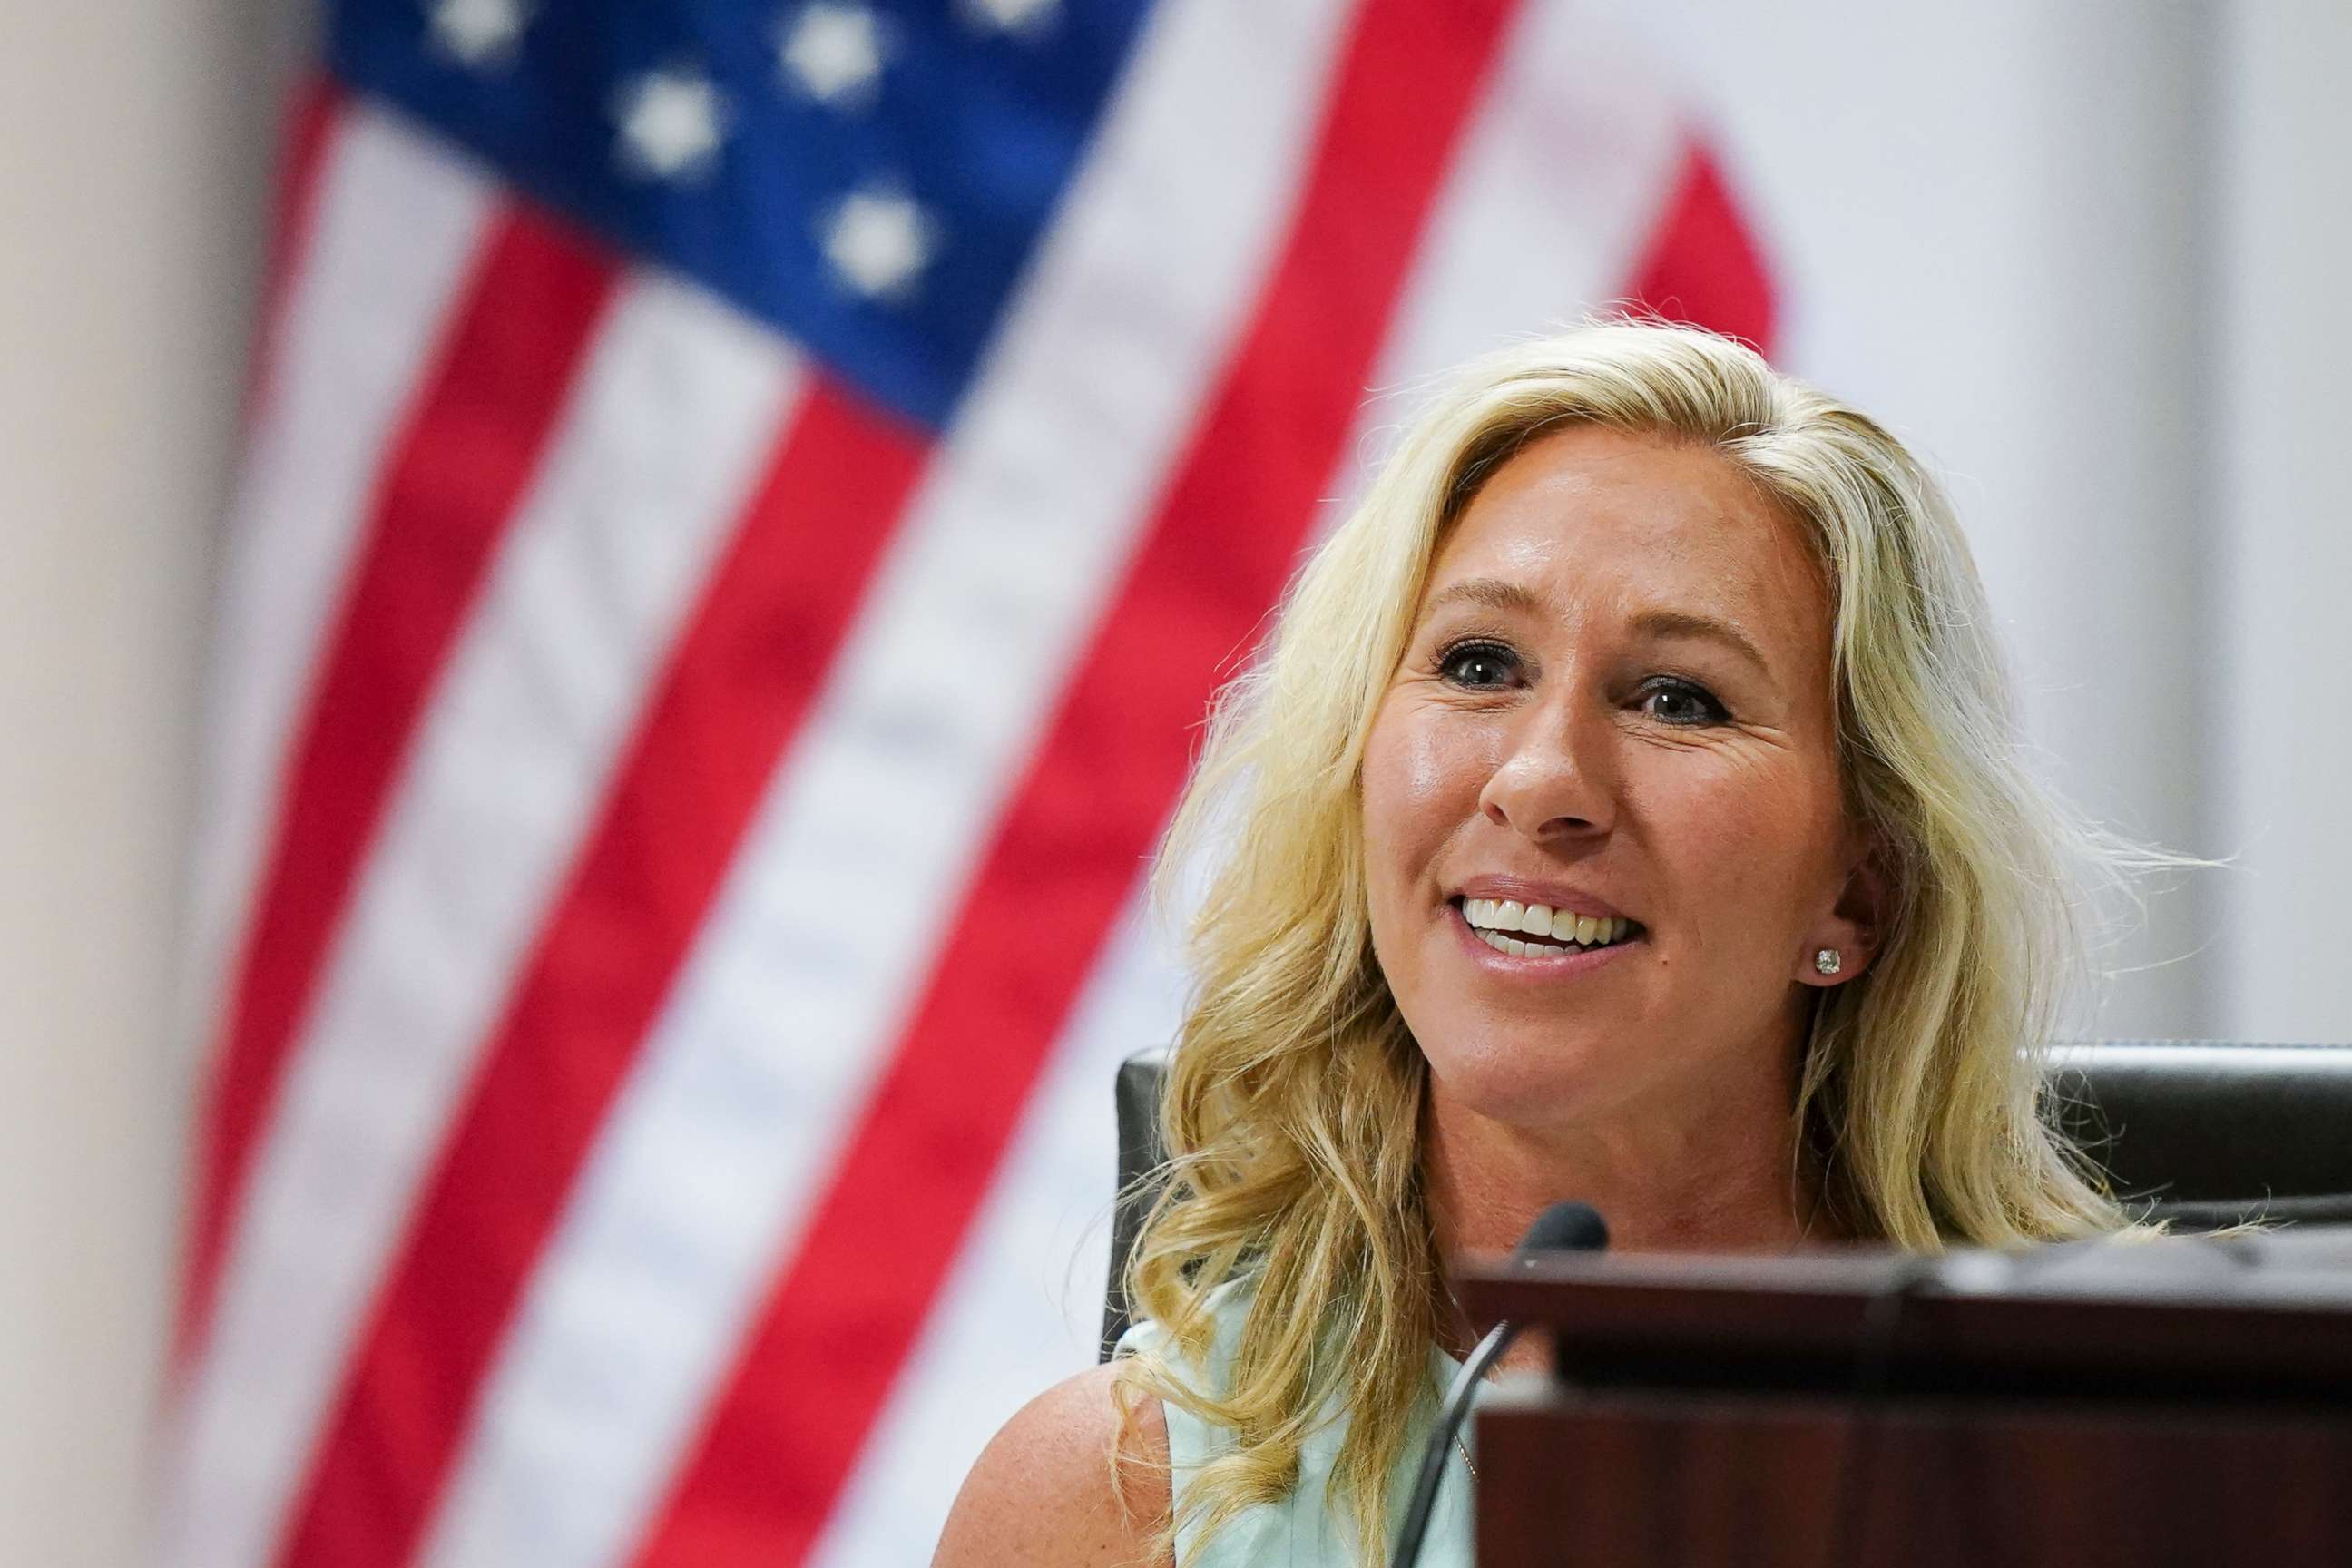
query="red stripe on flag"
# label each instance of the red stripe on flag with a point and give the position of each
(1065, 859)
(739, 683)
(311, 118)
(1702, 265)
(470, 444)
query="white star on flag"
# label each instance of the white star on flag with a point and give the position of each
(671, 123)
(878, 240)
(833, 52)
(479, 33)
(1013, 16)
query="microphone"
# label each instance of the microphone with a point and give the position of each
(1566, 1226)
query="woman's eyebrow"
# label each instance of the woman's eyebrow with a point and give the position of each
(1689, 624)
(1492, 592)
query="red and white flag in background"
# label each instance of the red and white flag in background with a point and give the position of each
(744, 508)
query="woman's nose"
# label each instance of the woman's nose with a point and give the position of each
(1554, 781)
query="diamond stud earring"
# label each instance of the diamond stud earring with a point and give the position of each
(1829, 961)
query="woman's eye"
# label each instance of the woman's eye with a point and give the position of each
(1679, 702)
(1482, 666)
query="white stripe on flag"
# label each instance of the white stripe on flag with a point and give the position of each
(665, 435)
(784, 1012)
(395, 225)
(1023, 1309)
(1563, 170)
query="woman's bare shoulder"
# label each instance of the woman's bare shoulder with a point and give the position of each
(1045, 1490)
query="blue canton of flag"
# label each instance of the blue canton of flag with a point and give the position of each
(871, 179)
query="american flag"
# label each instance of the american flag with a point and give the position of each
(744, 506)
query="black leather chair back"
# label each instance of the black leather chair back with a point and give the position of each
(2202, 1132)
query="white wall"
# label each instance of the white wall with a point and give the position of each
(2283, 522)
(134, 147)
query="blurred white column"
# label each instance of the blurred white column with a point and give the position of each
(136, 141)
(2286, 518)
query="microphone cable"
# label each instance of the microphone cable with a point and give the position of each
(1564, 1226)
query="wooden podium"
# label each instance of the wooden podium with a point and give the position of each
(2093, 1406)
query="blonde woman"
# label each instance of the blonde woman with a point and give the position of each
(1627, 810)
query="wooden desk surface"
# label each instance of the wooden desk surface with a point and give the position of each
(2253, 1313)
(2136, 1406)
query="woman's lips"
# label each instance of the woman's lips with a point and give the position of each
(1560, 963)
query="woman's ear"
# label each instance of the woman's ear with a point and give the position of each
(1841, 945)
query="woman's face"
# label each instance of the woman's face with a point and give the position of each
(1616, 703)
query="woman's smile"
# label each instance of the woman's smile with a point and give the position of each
(1522, 929)
(1514, 952)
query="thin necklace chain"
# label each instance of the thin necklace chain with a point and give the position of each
(1459, 1445)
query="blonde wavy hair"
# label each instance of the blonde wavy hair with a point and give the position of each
(1293, 1100)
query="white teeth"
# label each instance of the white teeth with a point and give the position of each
(1515, 947)
(1500, 920)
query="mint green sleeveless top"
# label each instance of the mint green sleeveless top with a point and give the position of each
(1301, 1531)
